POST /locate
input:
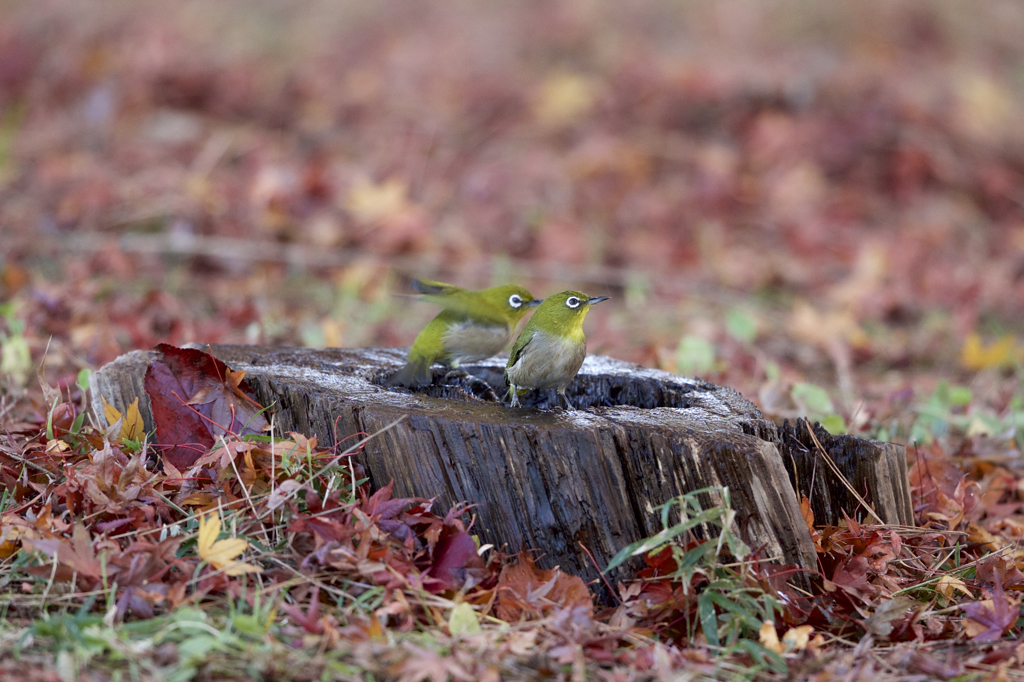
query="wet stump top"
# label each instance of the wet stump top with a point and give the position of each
(564, 482)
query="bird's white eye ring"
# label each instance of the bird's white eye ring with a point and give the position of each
(515, 301)
(572, 302)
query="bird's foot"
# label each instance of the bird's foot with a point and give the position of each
(475, 385)
(569, 407)
(456, 374)
(481, 389)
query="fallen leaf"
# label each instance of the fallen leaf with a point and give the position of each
(526, 591)
(12, 530)
(281, 493)
(463, 620)
(990, 619)
(79, 554)
(851, 575)
(880, 622)
(769, 637)
(310, 618)
(976, 355)
(1002, 569)
(370, 202)
(455, 557)
(948, 586)
(807, 512)
(374, 630)
(186, 431)
(221, 554)
(978, 534)
(564, 98)
(797, 639)
(132, 426)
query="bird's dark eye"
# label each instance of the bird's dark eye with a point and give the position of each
(572, 302)
(515, 301)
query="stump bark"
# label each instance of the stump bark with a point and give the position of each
(567, 483)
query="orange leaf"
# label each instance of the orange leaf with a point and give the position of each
(980, 535)
(525, 590)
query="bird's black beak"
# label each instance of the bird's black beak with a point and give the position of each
(597, 299)
(534, 303)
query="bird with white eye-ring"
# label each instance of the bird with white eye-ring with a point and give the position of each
(550, 350)
(473, 326)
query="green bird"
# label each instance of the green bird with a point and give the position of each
(550, 349)
(474, 325)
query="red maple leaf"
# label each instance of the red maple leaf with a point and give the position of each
(990, 619)
(196, 398)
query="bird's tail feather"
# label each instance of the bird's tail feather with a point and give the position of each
(412, 375)
(429, 288)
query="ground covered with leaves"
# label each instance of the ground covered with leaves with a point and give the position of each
(263, 556)
(822, 206)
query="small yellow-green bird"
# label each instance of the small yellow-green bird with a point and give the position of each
(550, 350)
(474, 325)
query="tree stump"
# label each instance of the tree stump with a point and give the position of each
(875, 471)
(567, 483)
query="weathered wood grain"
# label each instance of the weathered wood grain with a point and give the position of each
(876, 471)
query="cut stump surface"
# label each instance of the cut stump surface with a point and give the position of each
(562, 482)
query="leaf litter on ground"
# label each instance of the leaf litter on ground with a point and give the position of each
(105, 520)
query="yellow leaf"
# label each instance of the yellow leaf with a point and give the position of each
(564, 98)
(224, 551)
(133, 427)
(375, 631)
(7, 548)
(1002, 353)
(221, 554)
(369, 202)
(12, 530)
(796, 639)
(197, 500)
(54, 447)
(209, 529)
(985, 105)
(770, 638)
(463, 620)
(979, 427)
(948, 585)
(334, 333)
(242, 568)
(110, 412)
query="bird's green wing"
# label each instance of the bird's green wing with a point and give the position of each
(519, 347)
(460, 302)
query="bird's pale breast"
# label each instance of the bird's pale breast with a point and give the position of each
(468, 342)
(548, 362)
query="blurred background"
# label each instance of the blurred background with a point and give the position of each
(821, 204)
